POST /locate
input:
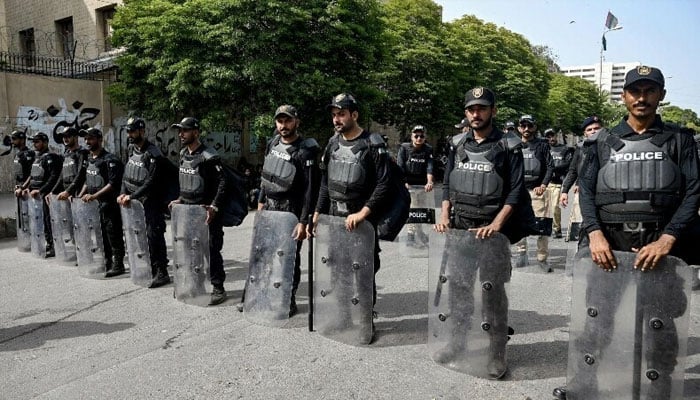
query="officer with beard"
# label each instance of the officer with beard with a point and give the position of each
(361, 196)
(651, 217)
(464, 206)
(22, 163)
(538, 166)
(46, 172)
(561, 158)
(75, 161)
(203, 181)
(289, 183)
(144, 181)
(103, 179)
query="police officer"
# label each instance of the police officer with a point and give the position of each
(103, 179)
(22, 163)
(648, 217)
(509, 127)
(46, 171)
(590, 126)
(416, 161)
(538, 167)
(360, 195)
(561, 158)
(203, 181)
(483, 210)
(75, 162)
(288, 181)
(144, 180)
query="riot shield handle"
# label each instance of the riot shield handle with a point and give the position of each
(311, 279)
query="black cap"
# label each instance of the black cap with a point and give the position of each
(644, 73)
(549, 132)
(67, 131)
(40, 136)
(344, 100)
(418, 128)
(91, 132)
(17, 134)
(588, 121)
(287, 110)
(527, 118)
(187, 123)
(479, 95)
(464, 122)
(510, 124)
(135, 123)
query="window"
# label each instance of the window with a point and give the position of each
(64, 36)
(104, 25)
(27, 46)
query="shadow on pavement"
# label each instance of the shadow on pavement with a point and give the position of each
(540, 360)
(524, 321)
(28, 336)
(392, 305)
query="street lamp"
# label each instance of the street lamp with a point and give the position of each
(602, 48)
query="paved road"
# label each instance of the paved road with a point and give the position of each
(66, 337)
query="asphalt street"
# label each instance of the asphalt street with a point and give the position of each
(67, 337)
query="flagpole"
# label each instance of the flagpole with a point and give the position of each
(602, 48)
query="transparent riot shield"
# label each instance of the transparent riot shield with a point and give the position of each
(468, 303)
(89, 244)
(271, 268)
(24, 235)
(190, 254)
(414, 235)
(344, 280)
(62, 229)
(36, 226)
(135, 233)
(629, 329)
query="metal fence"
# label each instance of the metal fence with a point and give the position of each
(51, 66)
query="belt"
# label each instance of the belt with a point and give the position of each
(633, 226)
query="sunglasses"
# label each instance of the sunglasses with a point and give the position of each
(419, 136)
(526, 125)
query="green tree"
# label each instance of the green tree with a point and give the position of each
(569, 101)
(235, 61)
(417, 77)
(486, 55)
(681, 116)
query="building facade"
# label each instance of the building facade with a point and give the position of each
(610, 78)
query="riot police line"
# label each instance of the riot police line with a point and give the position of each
(485, 209)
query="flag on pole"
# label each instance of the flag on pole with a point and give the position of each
(610, 21)
(605, 44)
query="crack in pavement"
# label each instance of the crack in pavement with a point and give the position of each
(48, 324)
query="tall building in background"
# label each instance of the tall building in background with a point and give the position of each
(611, 80)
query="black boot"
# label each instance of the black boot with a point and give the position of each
(559, 393)
(50, 251)
(117, 267)
(161, 277)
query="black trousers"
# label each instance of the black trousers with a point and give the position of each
(155, 226)
(217, 275)
(112, 233)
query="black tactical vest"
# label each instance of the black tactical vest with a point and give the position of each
(136, 169)
(191, 181)
(71, 166)
(417, 160)
(39, 172)
(347, 170)
(96, 175)
(531, 164)
(22, 165)
(278, 169)
(476, 189)
(559, 155)
(639, 181)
